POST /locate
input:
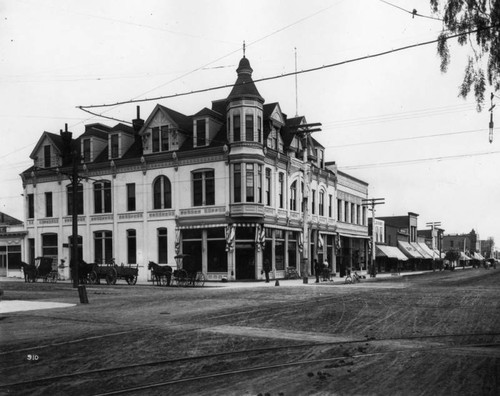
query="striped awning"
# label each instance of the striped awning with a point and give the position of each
(390, 251)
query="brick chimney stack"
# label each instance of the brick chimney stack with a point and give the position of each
(67, 138)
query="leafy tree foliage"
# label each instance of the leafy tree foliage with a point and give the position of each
(482, 17)
(452, 255)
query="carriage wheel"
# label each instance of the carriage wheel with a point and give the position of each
(199, 279)
(181, 278)
(132, 279)
(348, 280)
(111, 276)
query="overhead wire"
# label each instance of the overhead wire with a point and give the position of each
(283, 75)
(408, 162)
(414, 12)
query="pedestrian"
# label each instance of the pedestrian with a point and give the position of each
(267, 269)
(317, 269)
(326, 270)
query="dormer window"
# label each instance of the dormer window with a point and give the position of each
(201, 133)
(86, 150)
(160, 138)
(115, 146)
(46, 156)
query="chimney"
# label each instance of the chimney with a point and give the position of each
(138, 122)
(67, 138)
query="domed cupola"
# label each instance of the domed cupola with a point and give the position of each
(244, 87)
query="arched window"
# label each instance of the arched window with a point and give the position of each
(293, 196)
(162, 193)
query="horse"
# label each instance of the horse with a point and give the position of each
(30, 272)
(160, 271)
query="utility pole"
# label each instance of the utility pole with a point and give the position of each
(304, 131)
(371, 203)
(433, 224)
(74, 218)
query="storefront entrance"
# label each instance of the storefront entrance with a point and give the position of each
(245, 261)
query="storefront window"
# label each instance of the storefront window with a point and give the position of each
(292, 249)
(279, 250)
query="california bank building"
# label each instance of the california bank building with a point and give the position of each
(228, 187)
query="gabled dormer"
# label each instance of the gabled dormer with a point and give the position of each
(165, 130)
(206, 125)
(94, 141)
(48, 152)
(274, 120)
(120, 139)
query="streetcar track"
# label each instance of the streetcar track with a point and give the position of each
(273, 349)
(280, 366)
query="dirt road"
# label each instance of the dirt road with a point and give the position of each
(436, 333)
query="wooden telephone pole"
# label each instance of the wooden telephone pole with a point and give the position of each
(371, 203)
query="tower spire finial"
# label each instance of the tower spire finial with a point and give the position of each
(243, 48)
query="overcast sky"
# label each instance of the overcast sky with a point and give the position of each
(394, 121)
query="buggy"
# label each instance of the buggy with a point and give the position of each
(187, 275)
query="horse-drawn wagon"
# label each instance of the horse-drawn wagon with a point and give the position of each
(112, 272)
(184, 275)
(42, 269)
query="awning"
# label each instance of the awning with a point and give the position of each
(353, 236)
(409, 250)
(390, 251)
(478, 256)
(438, 255)
(424, 250)
(463, 257)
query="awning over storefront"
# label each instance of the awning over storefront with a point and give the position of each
(342, 234)
(478, 256)
(438, 255)
(409, 249)
(390, 251)
(463, 256)
(424, 250)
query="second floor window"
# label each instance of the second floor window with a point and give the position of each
(203, 188)
(102, 197)
(281, 190)
(237, 182)
(268, 187)
(79, 199)
(162, 193)
(130, 197)
(293, 196)
(31, 206)
(250, 183)
(48, 204)
(321, 210)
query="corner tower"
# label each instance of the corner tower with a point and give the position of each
(244, 109)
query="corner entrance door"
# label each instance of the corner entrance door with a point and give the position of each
(245, 261)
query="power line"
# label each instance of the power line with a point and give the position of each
(407, 138)
(414, 12)
(416, 161)
(379, 54)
